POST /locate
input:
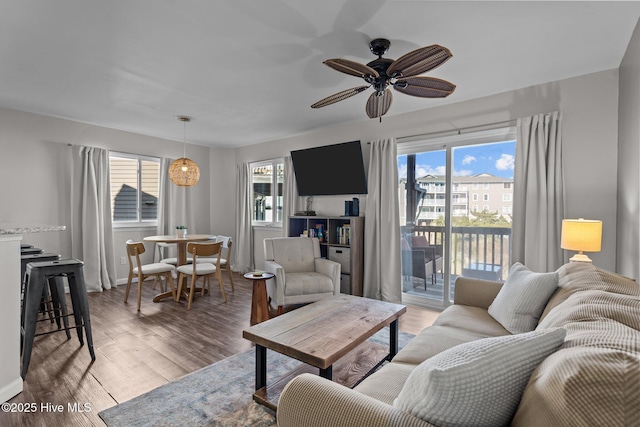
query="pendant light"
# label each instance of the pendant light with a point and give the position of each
(184, 172)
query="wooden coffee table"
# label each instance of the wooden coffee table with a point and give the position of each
(332, 331)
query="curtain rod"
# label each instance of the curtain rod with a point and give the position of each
(458, 131)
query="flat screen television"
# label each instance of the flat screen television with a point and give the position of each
(330, 170)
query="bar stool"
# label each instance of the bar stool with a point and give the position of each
(50, 301)
(36, 275)
(25, 246)
(31, 250)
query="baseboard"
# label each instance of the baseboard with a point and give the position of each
(10, 390)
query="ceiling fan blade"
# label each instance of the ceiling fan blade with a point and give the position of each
(419, 61)
(352, 68)
(339, 96)
(425, 87)
(379, 103)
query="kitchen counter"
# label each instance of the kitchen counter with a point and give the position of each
(21, 228)
(10, 238)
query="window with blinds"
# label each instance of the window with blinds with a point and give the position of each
(135, 182)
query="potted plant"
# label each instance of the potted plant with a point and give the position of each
(181, 231)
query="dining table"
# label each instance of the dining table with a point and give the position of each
(181, 244)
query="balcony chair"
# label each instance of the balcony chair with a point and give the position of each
(301, 275)
(197, 269)
(157, 270)
(421, 259)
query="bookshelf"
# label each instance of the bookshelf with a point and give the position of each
(342, 241)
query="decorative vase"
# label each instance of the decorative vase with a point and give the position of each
(181, 233)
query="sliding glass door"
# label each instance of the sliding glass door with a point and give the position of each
(456, 204)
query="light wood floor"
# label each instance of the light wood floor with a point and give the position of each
(137, 352)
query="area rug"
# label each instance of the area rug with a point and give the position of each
(216, 395)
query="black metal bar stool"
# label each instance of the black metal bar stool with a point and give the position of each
(38, 273)
(31, 250)
(51, 303)
(25, 246)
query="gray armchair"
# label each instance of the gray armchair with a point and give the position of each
(301, 275)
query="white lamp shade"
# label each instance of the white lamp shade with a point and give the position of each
(583, 235)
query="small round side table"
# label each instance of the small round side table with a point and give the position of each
(259, 300)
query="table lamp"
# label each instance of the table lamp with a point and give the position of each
(582, 235)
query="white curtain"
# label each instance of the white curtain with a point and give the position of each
(538, 206)
(382, 272)
(91, 225)
(244, 245)
(289, 195)
(174, 205)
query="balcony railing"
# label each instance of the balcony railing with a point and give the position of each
(482, 252)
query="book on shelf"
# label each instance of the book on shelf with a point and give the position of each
(344, 234)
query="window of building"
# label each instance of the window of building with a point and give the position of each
(475, 185)
(485, 185)
(506, 197)
(135, 182)
(475, 197)
(485, 197)
(485, 208)
(266, 191)
(507, 210)
(475, 208)
(507, 185)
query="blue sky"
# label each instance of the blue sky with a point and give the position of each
(495, 158)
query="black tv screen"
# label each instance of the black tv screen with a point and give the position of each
(330, 170)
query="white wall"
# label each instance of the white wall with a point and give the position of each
(35, 160)
(628, 261)
(589, 105)
(35, 165)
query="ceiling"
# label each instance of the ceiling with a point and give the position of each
(247, 71)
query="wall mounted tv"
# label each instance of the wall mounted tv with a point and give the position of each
(330, 170)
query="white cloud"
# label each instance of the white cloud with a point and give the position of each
(468, 160)
(402, 171)
(505, 162)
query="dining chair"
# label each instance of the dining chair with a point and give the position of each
(225, 257)
(160, 253)
(201, 269)
(156, 270)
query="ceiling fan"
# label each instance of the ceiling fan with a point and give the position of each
(401, 74)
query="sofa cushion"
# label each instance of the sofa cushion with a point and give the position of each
(522, 299)
(595, 378)
(457, 324)
(385, 384)
(307, 283)
(478, 383)
(580, 276)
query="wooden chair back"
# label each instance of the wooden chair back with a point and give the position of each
(197, 249)
(134, 250)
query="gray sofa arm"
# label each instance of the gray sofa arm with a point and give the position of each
(331, 269)
(311, 401)
(475, 292)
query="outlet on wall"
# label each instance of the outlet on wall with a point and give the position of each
(123, 260)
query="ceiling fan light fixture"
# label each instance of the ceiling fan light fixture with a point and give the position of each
(184, 172)
(400, 74)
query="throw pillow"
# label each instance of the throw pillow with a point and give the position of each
(519, 304)
(479, 383)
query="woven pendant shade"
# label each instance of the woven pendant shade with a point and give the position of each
(184, 172)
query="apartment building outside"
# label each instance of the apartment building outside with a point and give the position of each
(478, 193)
